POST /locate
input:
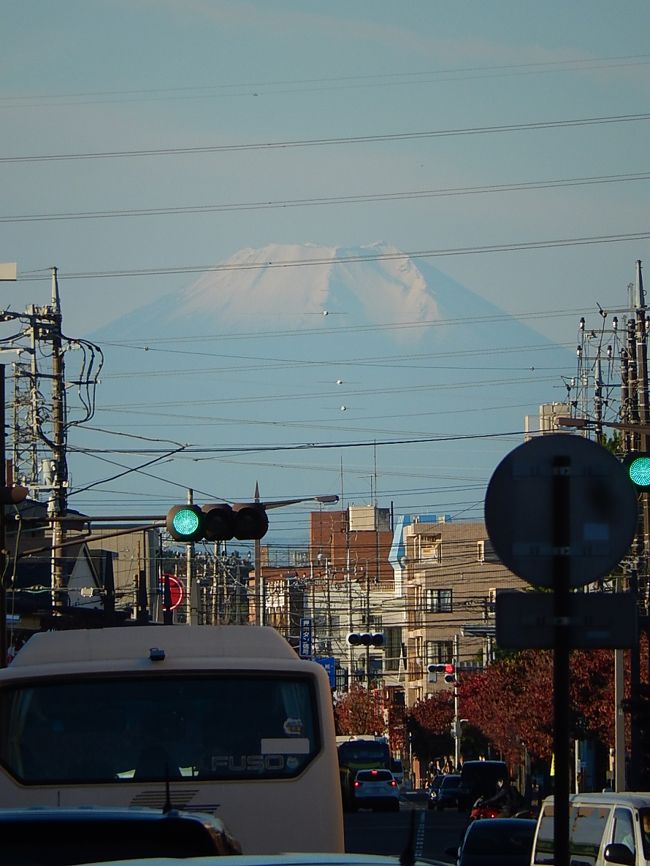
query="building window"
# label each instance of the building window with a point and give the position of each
(439, 601)
(392, 648)
(485, 552)
(439, 651)
(430, 548)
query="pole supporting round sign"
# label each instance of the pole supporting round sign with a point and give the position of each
(521, 509)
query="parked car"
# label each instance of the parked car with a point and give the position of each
(376, 789)
(496, 842)
(445, 793)
(479, 779)
(81, 834)
(604, 829)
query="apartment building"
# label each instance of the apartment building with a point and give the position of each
(449, 579)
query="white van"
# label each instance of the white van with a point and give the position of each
(603, 829)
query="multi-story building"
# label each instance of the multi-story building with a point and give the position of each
(449, 580)
(428, 585)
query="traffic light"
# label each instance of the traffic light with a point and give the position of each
(217, 522)
(448, 669)
(637, 466)
(365, 638)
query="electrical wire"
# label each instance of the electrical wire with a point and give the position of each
(329, 262)
(323, 142)
(331, 200)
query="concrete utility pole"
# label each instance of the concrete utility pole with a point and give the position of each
(58, 504)
(457, 725)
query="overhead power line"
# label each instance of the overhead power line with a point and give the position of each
(407, 195)
(322, 142)
(328, 262)
(384, 79)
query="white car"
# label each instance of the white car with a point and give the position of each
(376, 789)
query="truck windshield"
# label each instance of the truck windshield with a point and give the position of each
(134, 729)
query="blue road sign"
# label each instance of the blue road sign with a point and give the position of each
(306, 633)
(329, 663)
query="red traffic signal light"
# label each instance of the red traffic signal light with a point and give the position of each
(446, 668)
(217, 522)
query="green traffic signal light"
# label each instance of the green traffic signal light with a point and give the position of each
(638, 469)
(184, 523)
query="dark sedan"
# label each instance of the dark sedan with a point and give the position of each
(444, 792)
(496, 842)
(67, 836)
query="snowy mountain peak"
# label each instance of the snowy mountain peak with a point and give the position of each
(288, 285)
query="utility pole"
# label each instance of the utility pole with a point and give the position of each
(457, 725)
(58, 504)
(190, 584)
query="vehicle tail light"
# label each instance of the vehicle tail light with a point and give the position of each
(357, 784)
(393, 783)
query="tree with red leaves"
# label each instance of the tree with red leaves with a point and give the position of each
(360, 711)
(511, 701)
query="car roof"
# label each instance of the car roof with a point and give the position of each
(294, 859)
(639, 799)
(488, 825)
(499, 764)
(35, 814)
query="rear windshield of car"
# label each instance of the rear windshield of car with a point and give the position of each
(60, 843)
(377, 776)
(586, 828)
(484, 769)
(451, 782)
(500, 838)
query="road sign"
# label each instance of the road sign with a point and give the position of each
(522, 507)
(329, 663)
(176, 590)
(525, 620)
(306, 632)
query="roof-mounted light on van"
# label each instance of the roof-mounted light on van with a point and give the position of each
(156, 654)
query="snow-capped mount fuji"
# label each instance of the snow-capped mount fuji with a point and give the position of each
(277, 352)
(291, 285)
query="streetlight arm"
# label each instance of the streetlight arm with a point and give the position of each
(326, 499)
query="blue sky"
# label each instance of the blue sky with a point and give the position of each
(107, 77)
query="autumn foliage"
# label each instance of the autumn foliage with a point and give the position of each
(360, 711)
(511, 704)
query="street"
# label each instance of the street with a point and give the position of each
(388, 832)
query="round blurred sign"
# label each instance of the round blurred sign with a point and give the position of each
(176, 591)
(519, 509)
